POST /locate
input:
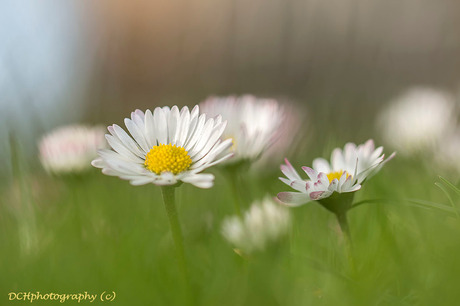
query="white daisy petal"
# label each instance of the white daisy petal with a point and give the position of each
(289, 171)
(137, 134)
(204, 137)
(321, 165)
(141, 181)
(197, 132)
(184, 125)
(118, 146)
(161, 126)
(298, 185)
(312, 174)
(200, 180)
(126, 140)
(293, 199)
(173, 124)
(216, 134)
(138, 118)
(216, 152)
(215, 162)
(149, 129)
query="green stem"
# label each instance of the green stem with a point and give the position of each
(343, 222)
(26, 218)
(170, 205)
(232, 177)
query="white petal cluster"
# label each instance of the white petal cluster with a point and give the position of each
(253, 123)
(294, 126)
(447, 155)
(199, 135)
(70, 149)
(417, 120)
(263, 223)
(345, 173)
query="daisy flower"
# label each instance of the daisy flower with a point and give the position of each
(295, 124)
(166, 147)
(417, 120)
(70, 149)
(346, 172)
(265, 222)
(447, 156)
(253, 123)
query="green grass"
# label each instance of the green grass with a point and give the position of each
(97, 233)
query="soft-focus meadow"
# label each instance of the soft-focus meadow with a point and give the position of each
(96, 63)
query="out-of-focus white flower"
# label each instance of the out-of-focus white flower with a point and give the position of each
(263, 223)
(294, 118)
(348, 169)
(447, 156)
(166, 146)
(253, 123)
(417, 120)
(70, 149)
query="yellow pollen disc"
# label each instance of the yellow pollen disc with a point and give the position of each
(234, 145)
(167, 158)
(336, 175)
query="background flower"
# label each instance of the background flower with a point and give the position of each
(253, 123)
(417, 120)
(265, 222)
(70, 149)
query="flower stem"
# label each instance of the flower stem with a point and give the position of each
(232, 178)
(343, 222)
(170, 205)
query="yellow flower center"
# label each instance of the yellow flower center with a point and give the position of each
(167, 158)
(336, 175)
(234, 145)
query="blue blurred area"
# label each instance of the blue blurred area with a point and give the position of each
(44, 66)
(96, 61)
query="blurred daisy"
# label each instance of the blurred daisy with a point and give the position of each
(253, 123)
(263, 223)
(70, 149)
(417, 120)
(447, 156)
(346, 172)
(166, 146)
(294, 125)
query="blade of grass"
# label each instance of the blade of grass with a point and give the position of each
(443, 189)
(450, 185)
(414, 202)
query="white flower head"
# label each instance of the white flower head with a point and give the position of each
(348, 169)
(166, 147)
(417, 120)
(265, 222)
(70, 149)
(294, 124)
(447, 156)
(253, 123)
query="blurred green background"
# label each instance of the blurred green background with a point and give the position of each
(338, 61)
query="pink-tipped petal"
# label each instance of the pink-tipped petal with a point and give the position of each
(312, 174)
(293, 199)
(315, 195)
(289, 171)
